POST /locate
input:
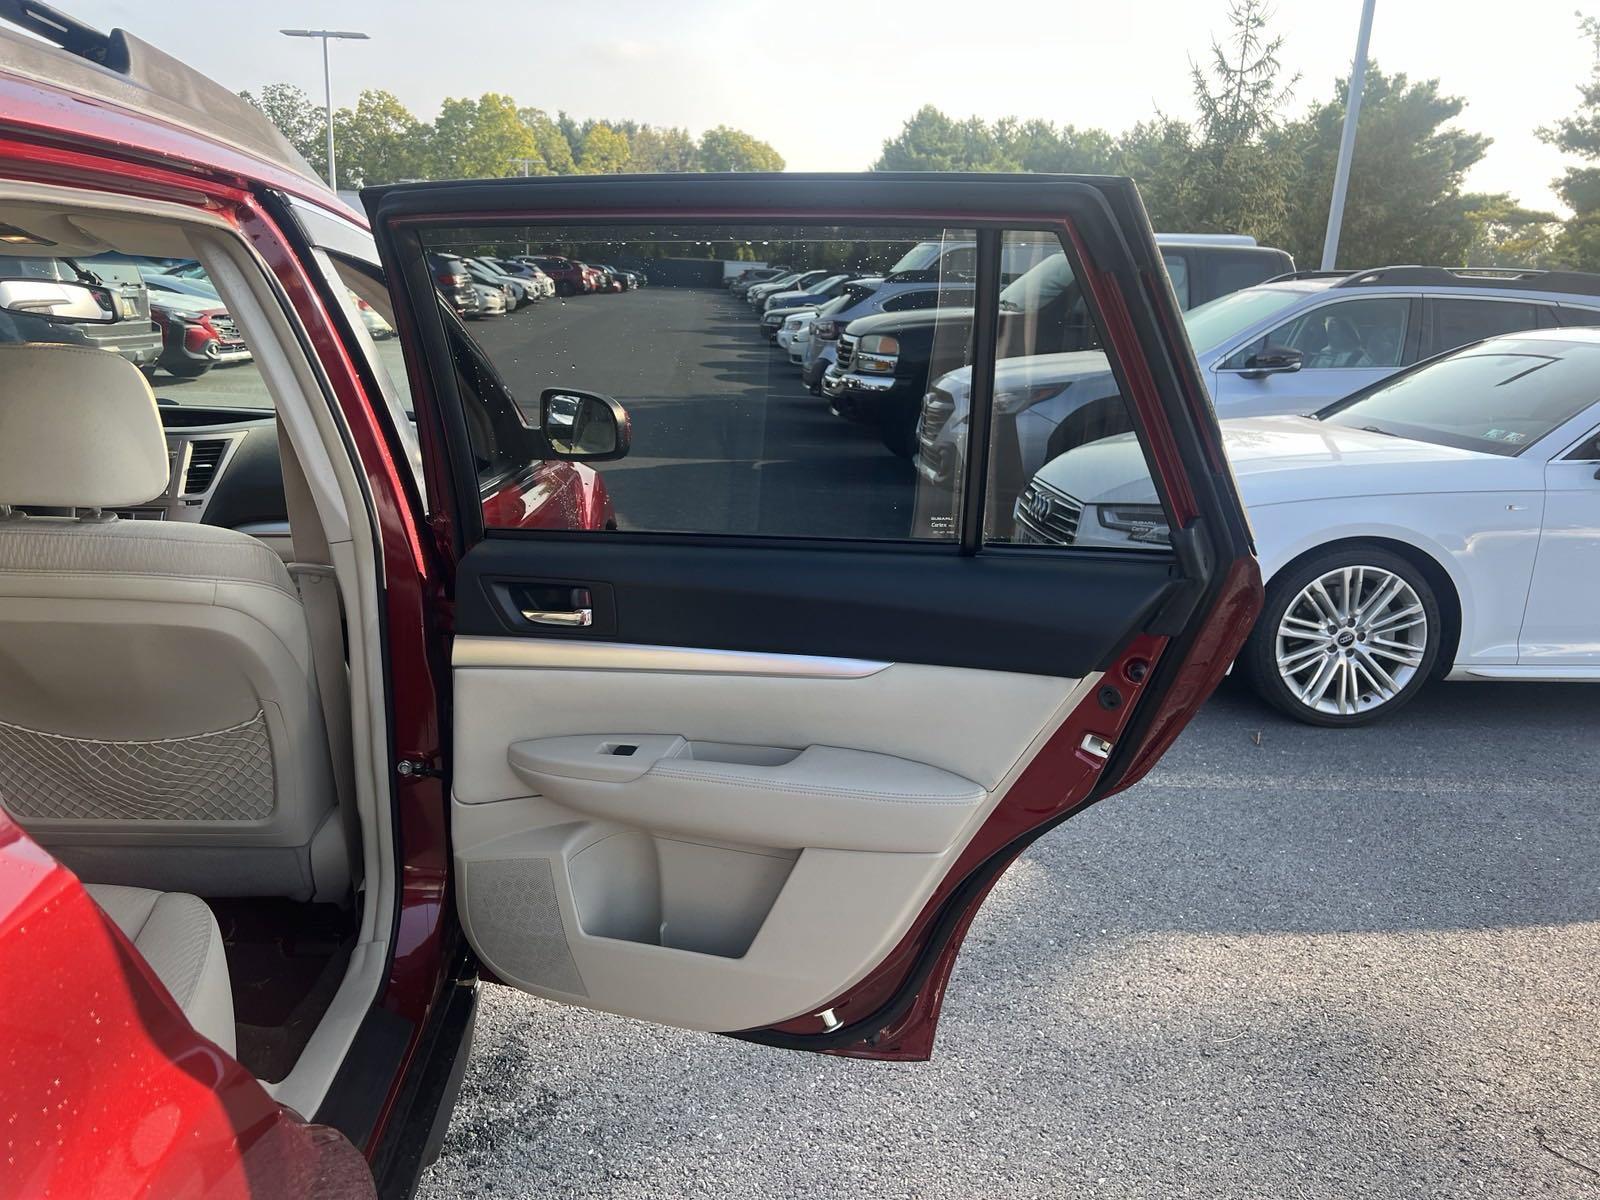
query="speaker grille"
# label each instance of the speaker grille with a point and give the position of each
(516, 921)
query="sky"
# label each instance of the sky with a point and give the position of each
(827, 84)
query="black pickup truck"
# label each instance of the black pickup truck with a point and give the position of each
(887, 362)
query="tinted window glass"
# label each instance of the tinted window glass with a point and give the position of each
(1496, 398)
(1065, 469)
(725, 438)
(1457, 321)
(1347, 335)
(1178, 272)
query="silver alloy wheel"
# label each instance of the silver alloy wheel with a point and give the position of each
(1351, 640)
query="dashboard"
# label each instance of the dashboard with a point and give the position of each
(223, 470)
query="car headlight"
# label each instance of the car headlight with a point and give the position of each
(876, 354)
(1017, 399)
(1141, 522)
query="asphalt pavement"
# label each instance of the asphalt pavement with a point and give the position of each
(1292, 963)
(725, 437)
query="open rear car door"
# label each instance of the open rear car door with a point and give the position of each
(742, 740)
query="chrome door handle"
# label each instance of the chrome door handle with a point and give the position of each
(573, 618)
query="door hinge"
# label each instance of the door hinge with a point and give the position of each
(417, 768)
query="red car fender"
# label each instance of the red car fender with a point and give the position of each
(106, 1088)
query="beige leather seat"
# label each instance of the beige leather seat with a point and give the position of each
(159, 717)
(179, 938)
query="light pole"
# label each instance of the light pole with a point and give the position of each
(1347, 140)
(327, 80)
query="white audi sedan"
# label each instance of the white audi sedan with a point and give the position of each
(1442, 523)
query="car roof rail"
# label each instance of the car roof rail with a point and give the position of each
(1523, 279)
(161, 86)
(1290, 276)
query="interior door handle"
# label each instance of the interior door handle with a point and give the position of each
(571, 618)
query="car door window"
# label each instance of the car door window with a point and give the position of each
(1359, 334)
(1178, 272)
(724, 438)
(1459, 320)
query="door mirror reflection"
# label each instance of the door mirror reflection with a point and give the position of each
(583, 426)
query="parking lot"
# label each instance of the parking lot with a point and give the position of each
(1294, 962)
(725, 436)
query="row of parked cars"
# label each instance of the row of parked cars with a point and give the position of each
(1419, 447)
(486, 285)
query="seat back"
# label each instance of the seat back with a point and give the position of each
(159, 719)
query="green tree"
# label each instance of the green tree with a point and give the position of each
(380, 141)
(663, 150)
(1405, 203)
(725, 149)
(1239, 176)
(1578, 244)
(554, 153)
(605, 151)
(303, 123)
(481, 139)
(1505, 234)
(932, 141)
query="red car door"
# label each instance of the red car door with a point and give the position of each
(750, 761)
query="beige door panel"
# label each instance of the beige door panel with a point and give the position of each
(776, 827)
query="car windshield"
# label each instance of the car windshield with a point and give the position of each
(919, 258)
(1218, 321)
(1497, 397)
(1038, 286)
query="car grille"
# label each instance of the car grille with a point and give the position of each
(847, 349)
(224, 325)
(937, 410)
(1047, 515)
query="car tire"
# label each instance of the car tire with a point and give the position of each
(900, 438)
(187, 370)
(1324, 661)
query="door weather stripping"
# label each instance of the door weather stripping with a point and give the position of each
(1096, 745)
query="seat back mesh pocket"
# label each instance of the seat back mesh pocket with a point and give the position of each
(223, 775)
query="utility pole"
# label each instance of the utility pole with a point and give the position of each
(327, 79)
(525, 163)
(1347, 140)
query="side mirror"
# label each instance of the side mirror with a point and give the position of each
(584, 426)
(71, 303)
(1273, 360)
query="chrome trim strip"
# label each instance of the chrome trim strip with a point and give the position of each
(558, 654)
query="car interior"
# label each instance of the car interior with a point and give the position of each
(191, 716)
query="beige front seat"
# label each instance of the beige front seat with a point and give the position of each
(159, 718)
(179, 938)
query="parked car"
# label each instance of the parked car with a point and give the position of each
(455, 283)
(757, 295)
(377, 327)
(196, 334)
(134, 334)
(412, 756)
(491, 300)
(514, 293)
(1441, 523)
(812, 296)
(743, 282)
(1291, 345)
(571, 278)
(628, 280)
(865, 298)
(537, 284)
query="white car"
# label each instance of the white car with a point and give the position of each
(795, 333)
(1444, 522)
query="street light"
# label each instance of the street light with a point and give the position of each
(1347, 140)
(327, 82)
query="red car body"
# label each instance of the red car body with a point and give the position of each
(113, 1094)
